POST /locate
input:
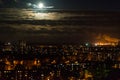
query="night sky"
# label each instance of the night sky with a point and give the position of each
(91, 19)
(67, 4)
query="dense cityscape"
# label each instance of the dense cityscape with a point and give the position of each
(27, 61)
(59, 40)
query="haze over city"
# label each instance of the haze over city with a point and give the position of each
(59, 40)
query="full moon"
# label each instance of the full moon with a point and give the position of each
(41, 5)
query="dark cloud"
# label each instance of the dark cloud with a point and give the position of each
(61, 27)
(1, 1)
(55, 34)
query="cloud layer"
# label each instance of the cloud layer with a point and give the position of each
(60, 27)
(59, 34)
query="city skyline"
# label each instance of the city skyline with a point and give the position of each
(47, 39)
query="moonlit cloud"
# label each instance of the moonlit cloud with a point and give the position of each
(58, 27)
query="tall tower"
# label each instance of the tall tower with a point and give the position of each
(23, 46)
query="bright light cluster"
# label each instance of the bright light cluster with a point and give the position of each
(105, 44)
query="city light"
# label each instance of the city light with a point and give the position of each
(106, 40)
(74, 60)
(105, 44)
